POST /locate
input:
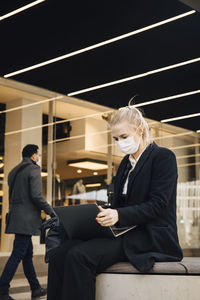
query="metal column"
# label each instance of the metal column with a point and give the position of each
(109, 158)
(50, 154)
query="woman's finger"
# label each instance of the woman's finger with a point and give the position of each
(108, 223)
(106, 218)
(102, 214)
(100, 208)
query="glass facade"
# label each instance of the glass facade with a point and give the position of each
(79, 157)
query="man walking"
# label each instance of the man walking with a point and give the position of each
(24, 219)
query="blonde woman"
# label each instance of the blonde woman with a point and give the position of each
(144, 195)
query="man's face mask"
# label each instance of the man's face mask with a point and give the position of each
(39, 162)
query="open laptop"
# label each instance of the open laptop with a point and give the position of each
(79, 222)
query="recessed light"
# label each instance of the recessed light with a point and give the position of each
(44, 174)
(79, 171)
(95, 173)
(88, 163)
(1, 163)
(93, 184)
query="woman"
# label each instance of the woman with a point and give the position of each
(144, 194)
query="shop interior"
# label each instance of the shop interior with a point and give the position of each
(79, 157)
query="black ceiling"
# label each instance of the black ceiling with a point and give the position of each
(56, 27)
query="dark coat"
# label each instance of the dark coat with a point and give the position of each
(25, 199)
(151, 204)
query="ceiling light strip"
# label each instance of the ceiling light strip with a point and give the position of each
(56, 122)
(30, 105)
(64, 121)
(167, 98)
(172, 135)
(29, 128)
(170, 67)
(152, 123)
(16, 11)
(184, 146)
(109, 41)
(79, 136)
(136, 105)
(107, 131)
(187, 156)
(181, 118)
(189, 165)
(67, 120)
(171, 148)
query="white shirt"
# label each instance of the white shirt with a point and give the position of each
(133, 162)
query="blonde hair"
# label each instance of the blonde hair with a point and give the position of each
(134, 117)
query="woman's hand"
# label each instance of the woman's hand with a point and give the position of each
(107, 217)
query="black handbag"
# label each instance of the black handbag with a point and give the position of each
(55, 236)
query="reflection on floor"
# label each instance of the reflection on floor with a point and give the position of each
(20, 289)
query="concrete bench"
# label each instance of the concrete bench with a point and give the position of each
(166, 281)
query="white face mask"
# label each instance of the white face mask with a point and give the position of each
(39, 162)
(128, 145)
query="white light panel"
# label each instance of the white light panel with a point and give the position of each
(88, 165)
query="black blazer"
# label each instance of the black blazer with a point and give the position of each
(25, 199)
(151, 204)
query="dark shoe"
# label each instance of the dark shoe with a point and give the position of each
(38, 293)
(5, 297)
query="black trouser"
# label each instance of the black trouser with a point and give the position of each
(74, 265)
(22, 251)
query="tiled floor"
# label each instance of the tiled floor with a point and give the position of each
(20, 288)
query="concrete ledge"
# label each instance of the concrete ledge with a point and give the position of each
(147, 287)
(159, 268)
(192, 265)
(189, 265)
(166, 281)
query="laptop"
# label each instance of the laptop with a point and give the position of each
(79, 222)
